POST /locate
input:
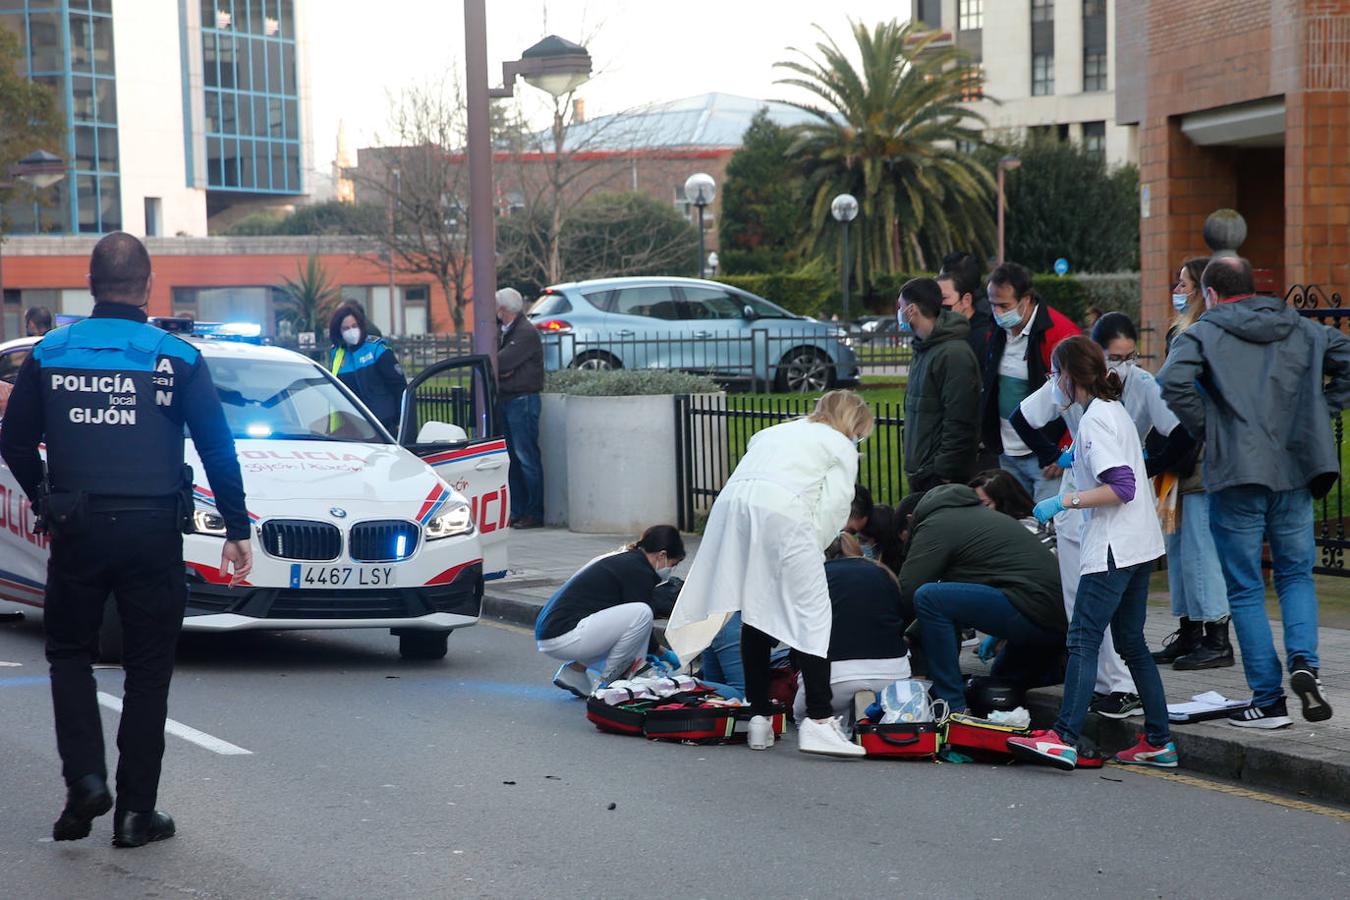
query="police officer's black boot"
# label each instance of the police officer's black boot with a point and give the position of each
(1214, 652)
(86, 800)
(1185, 639)
(136, 829)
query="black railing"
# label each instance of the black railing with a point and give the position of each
(712, 433)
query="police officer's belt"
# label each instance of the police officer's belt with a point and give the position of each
(103, 503)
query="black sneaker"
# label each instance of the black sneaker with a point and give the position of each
(1308, 686)
(1273, 715)
(1117, 705)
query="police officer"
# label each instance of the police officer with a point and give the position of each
(363, 362)
(110, 396)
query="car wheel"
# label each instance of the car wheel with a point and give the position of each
(804, 370)
(423, 644)
(110, 634)
(596, 361)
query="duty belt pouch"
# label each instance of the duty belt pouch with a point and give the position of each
(66, 513)
(186, 506)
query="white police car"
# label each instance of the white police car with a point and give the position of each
(351, 529)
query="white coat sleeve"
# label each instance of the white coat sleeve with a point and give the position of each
(835, 500)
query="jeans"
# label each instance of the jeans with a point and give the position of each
(756, 647)
(1113, 676)
(1028, 471)
(945, 607)
(520, 419)
(1194, 575)
(722, 668)
(1242, 519)
(1117, 598)
(607, 642)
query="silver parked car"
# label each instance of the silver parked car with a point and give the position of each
(691, 325)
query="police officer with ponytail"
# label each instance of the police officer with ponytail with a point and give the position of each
(110, 396)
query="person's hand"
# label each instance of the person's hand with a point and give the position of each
(670, 659)
(1048, 508)
(1066, 458)
(1052, 471)
(239, 555)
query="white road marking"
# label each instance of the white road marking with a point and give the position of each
(9, 665)
(186, 732)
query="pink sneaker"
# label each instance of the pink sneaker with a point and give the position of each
(1145, 754)
(1044, 747)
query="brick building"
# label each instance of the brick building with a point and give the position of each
(1242, 104)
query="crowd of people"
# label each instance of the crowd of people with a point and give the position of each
(1049, 473)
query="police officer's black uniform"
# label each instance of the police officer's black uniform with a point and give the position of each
(110, 396)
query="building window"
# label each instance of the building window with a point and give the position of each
(929, 12)
(1094, 8)
(251, 97)
(1042, 74)
(153, 214)
(1042, 10)
(969, 15)
(972, 84)
(1094, 139)
(1094, 70)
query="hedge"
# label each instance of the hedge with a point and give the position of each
(803, 294)
(626, 383)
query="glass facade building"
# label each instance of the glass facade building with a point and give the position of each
(252, 96)
(68, 46)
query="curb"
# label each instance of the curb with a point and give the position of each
(1273, 768)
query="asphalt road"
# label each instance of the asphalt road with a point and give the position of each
(371, 777)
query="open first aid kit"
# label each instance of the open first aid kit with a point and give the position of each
(900, 723)
(686, 711)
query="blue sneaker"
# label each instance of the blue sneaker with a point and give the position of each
(1145, 754)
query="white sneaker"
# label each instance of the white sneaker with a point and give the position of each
(826, 738)
(761, 733)
(573, 678)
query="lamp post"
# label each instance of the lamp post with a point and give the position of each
(844, 208)
(550, 61)
(1005, 164)
(700, 189)
(41, 170)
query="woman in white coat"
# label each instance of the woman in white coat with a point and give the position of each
(763, 555)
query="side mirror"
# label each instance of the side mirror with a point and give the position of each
(749, 314)
(441, 433)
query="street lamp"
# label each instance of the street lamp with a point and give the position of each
(544, 63)
(844, 208)
(41, 170)
(700, 189)
(1005, 164)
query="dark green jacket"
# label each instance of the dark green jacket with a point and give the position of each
(954, 539)
(942, 405)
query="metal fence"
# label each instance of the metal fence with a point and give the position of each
(712, 433)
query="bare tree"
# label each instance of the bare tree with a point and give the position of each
(418, 175)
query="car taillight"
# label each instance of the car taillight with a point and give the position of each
(553, 326)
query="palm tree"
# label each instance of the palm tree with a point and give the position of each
(309, 299)
(893, 133)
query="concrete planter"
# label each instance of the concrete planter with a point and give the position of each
(621, 458)
(553, 450)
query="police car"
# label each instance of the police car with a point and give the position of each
(351, 528)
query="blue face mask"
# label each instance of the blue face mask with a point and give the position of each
(1008, 320)
(905, 327)
(1180, 302)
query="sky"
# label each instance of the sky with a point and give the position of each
(644, 51)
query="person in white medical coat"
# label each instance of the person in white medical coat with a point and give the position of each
(763, 555)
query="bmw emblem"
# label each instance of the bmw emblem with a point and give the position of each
(338, 512)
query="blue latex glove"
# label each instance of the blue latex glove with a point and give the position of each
(1066, 458)
(1048, 508)
(669, 658)
(988, 648)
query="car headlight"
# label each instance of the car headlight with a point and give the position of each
(208, 521)
(456, 519)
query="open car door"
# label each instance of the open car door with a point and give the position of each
(450, 420)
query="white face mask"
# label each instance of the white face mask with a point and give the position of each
(352, 336)
(664, 572)
(1058, 397)
(1180, 302)
(1120, 366)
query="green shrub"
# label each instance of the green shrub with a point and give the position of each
(1064, 292)
(804, 293)
(626, 383)
(1113, 293)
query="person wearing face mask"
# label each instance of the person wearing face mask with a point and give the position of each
(365, 364)
(1120, 542)
(520, 379)
(963, 292)
(763, 555)
(600, 621)
(942, 400)
(1047, 414)
(1019, 358)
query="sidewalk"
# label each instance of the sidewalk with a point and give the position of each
(1312, 760)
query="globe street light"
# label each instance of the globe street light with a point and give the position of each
(700, 189)
(41, 170)
(844, 208)
(1005, 164)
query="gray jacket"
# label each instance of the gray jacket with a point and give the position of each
(1259, 383)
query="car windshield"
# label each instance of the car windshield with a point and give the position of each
(283, 400)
